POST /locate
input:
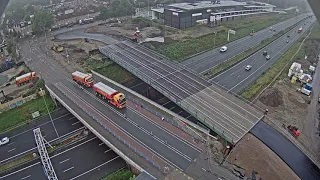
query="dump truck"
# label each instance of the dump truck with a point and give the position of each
(112, 96)
(83, 79)
(25, 78)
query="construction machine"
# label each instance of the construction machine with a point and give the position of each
(57, 48)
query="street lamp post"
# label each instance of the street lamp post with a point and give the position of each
(44, 100)
(214, 40)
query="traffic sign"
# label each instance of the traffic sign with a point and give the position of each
(232, 31)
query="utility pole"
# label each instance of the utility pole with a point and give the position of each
(214, 40)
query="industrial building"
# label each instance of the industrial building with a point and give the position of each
(213, 13)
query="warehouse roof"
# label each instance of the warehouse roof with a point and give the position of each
(206, 4)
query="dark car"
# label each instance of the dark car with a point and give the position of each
(265, 53)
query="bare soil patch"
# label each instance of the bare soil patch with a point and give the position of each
(271, 97)
(251, 155)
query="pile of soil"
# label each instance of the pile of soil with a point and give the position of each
(271, 97)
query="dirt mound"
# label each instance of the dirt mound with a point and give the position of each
(271, 97)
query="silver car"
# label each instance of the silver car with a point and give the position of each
(248, 67)
(4, 141)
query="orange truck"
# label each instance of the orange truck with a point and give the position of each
(112, 96)
(25, 78)
(83, 78)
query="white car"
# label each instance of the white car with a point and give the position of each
(248, 67)
(223, 49)
(4, 141)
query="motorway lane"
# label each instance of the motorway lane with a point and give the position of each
(22, 139)
(175, 150)
(87, 159)
(237, 78)
(51, 71)
(203, 62)
(219, 110)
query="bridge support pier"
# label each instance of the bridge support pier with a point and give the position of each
(133, 169)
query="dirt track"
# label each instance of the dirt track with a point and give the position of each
(252, 155)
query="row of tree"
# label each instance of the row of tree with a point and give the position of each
(118, 8)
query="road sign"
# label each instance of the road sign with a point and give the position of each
(232, 31)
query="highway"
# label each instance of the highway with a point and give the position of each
(208, 60)
(167, 145)
(237, 78)
(22, 139)
(88, 159)
(223, 113)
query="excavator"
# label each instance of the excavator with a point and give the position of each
(294, 131)
(58, 48)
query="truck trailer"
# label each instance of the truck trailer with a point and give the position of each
(25, 78)
(112, 96)
(83, 79)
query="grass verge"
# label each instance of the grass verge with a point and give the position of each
(240, 57)
(123, 174)
(110, 69)
(266, 78)
(17, 162)
(187, 47)
(22, 114)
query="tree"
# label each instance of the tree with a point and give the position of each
(117, 9)
(42, 20)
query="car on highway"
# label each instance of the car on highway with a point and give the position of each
(223, 49)
(268, 57)
(248, 67)
(265, 53)
(4, 141)
(287, 41)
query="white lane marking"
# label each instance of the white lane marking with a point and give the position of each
(26, 177)
(75, 123)
(39, 126)
(64, 161)
(71, 118)
(11, 143)
(94, 168)
(68, 169)
(107, 150)
(12, 149)
(101, 144)
(50, 158)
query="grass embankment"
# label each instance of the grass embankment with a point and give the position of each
(110, 70)
(22, 114)
(187, 47)
(238, 58)
(266, 78)
(120, 175)
(11, 164)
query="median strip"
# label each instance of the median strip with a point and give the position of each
(247, 53)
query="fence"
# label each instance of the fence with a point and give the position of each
(103, 124)
(16, 103)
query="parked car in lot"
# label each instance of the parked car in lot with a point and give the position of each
(4, 141)
(223, 49)
(248, 67)
(268, 57)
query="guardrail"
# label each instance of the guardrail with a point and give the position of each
(153, 107)
(150, 158)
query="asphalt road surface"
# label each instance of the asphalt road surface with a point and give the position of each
(287, 151)
(219, 110)
(237, 78)
(206, 61)
(80, 34)
(173, 148)
(22, 139)
(88, 159)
